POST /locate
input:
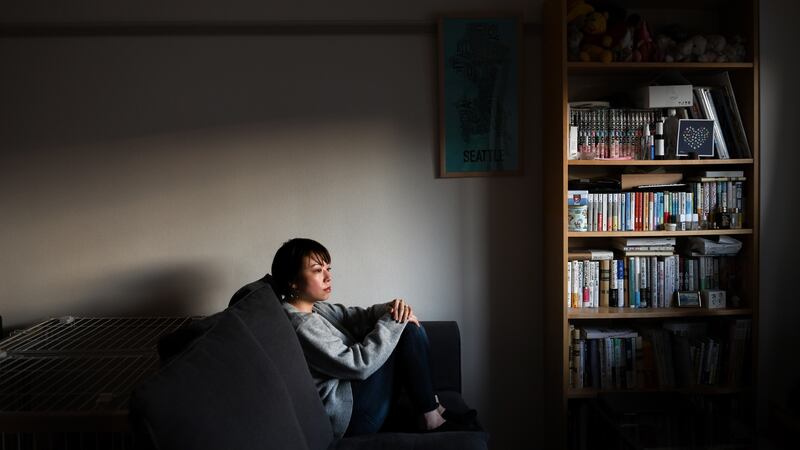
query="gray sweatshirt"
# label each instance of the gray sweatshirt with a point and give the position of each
(343, 344)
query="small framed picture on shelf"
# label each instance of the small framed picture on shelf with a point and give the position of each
(695, 137)
(688, 299)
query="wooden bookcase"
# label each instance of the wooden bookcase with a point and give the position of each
(566, 81)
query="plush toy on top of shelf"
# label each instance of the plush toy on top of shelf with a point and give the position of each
(612, 35)
(700, 48)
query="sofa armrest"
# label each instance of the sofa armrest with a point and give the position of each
(445, 340)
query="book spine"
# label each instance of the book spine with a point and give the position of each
(577, 283)
(605, 280)
(629, 344)
(609, 346)
(569, 284)
(587, 276)
(636, 283)
(619, 348)
(628, 214)
(644, 286)
(620, 283)
(593, 375)
(602, 217)
(662, 280)
(652, 274)
(595, 283)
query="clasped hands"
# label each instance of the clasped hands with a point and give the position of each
(402, 312)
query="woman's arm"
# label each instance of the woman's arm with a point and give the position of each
(327, 353)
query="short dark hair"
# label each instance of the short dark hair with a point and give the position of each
(287, 265)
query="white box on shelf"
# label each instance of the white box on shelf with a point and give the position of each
(670, 96)
(713, 298)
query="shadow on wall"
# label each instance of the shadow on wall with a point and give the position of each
(778, 379)
(161, 291)
(514, 227)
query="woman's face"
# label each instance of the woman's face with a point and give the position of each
(316, 279)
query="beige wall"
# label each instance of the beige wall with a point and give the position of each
(157, 175)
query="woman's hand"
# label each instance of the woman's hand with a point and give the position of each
(402, 312)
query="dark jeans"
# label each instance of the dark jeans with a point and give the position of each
(408, 366)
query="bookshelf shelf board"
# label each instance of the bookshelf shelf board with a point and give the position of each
(701, 390)
(589, 234)
(651, 313)
(594, 67)
(665, 162)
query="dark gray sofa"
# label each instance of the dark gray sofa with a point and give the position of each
(238, 380)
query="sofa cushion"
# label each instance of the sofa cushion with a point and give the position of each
(453, 440)
(261, 311)
(216, 395)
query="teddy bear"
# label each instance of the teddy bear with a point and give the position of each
(578, 8)
(596, 44)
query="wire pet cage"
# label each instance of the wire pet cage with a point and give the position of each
(65, 382)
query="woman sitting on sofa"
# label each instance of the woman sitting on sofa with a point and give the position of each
(356, 355)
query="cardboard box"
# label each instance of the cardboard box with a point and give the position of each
(673, 96)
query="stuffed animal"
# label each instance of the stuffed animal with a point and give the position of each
(574, 38)
(644, 47)
(595, 23)
(596, 44)
(592, 52)
(734, 51)
(576, 18)
(665, 48)
(577, 8)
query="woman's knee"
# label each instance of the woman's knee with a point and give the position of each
(414, 333)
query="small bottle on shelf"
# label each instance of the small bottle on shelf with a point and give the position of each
(646, 139)
(659, 140)
(671, 134)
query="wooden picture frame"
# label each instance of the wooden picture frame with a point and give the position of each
(480, 95)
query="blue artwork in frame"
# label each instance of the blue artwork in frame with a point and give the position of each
(479, 96)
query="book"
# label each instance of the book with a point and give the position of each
(722, 173)
(633, 180)
(725, 118)
(740, 143)
(634, 248)
(634, 241)
(602, 333)
(590, 254)
(703, 96)
(605, 282)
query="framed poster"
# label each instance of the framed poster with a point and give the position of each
(480, 96)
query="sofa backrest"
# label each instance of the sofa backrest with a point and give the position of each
(243, 384)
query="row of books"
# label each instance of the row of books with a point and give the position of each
(603, 359)
(675, 355)
(699, 207)
(646, 281)
(607, 133)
